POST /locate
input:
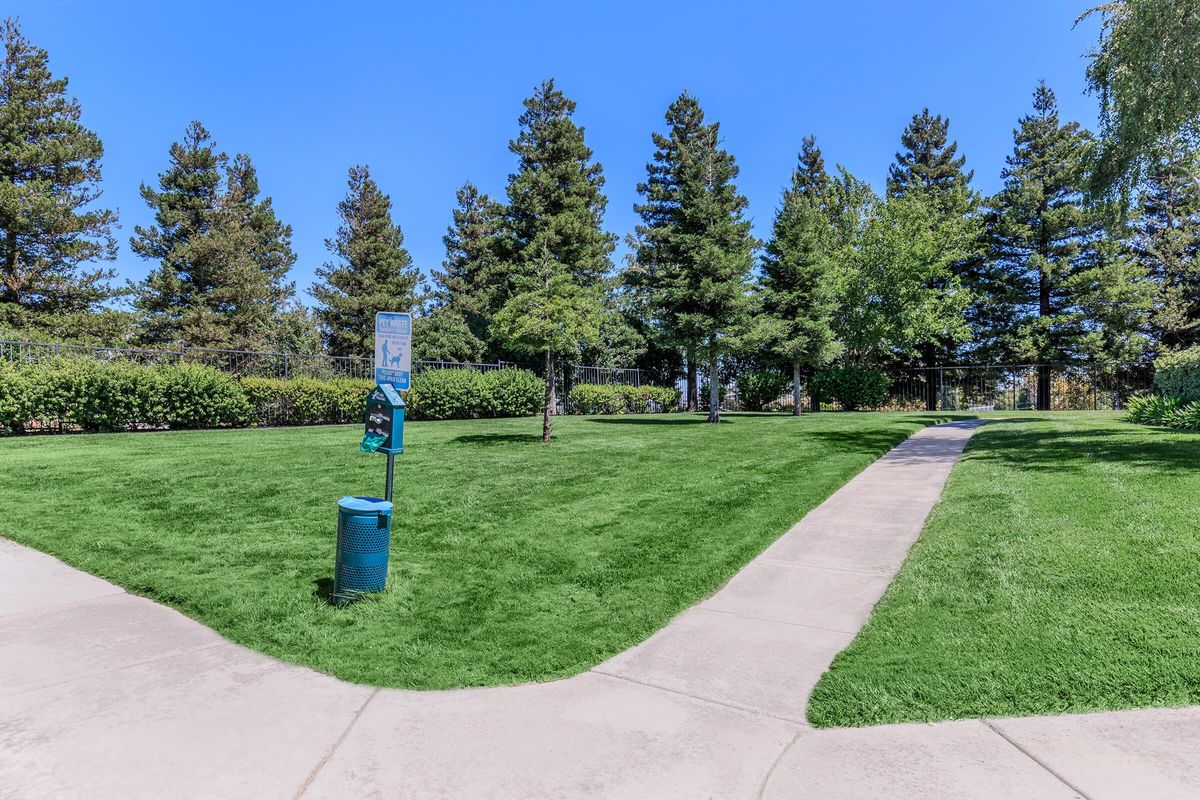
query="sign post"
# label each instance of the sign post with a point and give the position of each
(393, 367)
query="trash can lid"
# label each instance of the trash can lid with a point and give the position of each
(366, 504)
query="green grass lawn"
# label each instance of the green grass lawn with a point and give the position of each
(511, 561)
(1061, 572)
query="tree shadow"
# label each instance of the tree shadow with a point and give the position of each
(1067, 450)
(491, 439)
(658, 419)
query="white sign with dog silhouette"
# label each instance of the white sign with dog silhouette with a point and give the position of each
(393, 348)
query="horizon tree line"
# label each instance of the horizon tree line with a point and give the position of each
(927, 274)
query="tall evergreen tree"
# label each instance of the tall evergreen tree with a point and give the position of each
(1166, 242)
(222, 253)
(699, 248)
(657, 240)
(49, 181)
(929, 163)
(471, 286)
(558, 250)
(799, 284)
(371, 270)
(930, 168)
(1039, 229)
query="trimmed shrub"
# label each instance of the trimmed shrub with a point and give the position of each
(511, 392)
(93, 395)
(852, 387)
(196, 396)
(445, 394)
(305, 401)
(759, 387)
(1177, 374)
(619, 398)
(14, 397)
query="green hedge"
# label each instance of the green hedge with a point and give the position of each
(615, 398)
(852, 387)
(757, 388)
(1177, 374)
(96, 396)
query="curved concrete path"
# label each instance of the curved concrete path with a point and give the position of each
(107, 695)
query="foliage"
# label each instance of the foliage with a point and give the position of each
(1177, 374)
(510, 393)
(619, 398)
(559, 249)
(443, 335)
(371, 270)
(759, 387)
(1147, 74)
(1166, 242)
(852, 387)
(1152, 409)
(196, 396)
(222, 255)
(305, 401)
(472, 284)
(50, 233)
(800, 281)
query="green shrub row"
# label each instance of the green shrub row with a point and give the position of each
(1168, 412)
(758, 388)
(616, 398)
(100, 396)
(852, 387)
(1177, 374)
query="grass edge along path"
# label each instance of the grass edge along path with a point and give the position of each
(511, 561)
(1057, 574)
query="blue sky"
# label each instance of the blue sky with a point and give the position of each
(428, 94)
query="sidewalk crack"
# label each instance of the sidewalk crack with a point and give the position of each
(1061, 779)
(312, 776)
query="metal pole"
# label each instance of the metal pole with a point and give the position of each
(391, 471)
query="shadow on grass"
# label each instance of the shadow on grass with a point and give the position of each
(658, 419)
(490, 439)
(1169, 452)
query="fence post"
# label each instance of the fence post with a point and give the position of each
(941, 389)
(286, 368)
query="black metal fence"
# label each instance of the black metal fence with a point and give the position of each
(282, 365)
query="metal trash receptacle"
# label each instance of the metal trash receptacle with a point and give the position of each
(364, 537)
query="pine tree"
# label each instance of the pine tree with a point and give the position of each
(471, 285)
(695, 249)
(371, 270)
(222, 253)
(1039, 229)
(558, 250)
(929, 167)
(1166, 243)
(49, 179)
(656, 242)
(799, 289)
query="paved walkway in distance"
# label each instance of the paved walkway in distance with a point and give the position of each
(106, 695)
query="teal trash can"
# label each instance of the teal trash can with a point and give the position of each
(364, 536)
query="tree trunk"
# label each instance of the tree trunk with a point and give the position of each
(693, 394)
(796, 400)
(1043, 374)
(714, 389)
(551, 399)
(929, 356)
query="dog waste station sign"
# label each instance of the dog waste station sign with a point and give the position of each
(365, 523)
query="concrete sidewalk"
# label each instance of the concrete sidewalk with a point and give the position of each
(106, 695)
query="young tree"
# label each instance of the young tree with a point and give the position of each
(1039, 228)
(928, 167)
(371, 270)
(49, 179)
(1147, 74)
(695, 249)
(559, 251)
(222, 253)
(471, 284)
(799, 284)
(1166, 243)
